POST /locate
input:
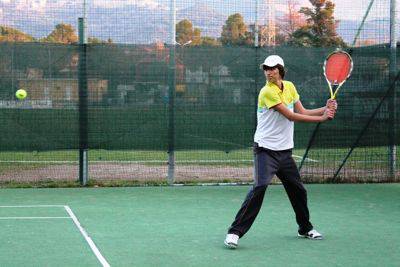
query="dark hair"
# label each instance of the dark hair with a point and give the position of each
(280, 68)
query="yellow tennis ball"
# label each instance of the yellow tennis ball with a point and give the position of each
(21, 94)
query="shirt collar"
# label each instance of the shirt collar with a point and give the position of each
(271, 84)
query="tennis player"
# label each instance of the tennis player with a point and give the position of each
(279, 106)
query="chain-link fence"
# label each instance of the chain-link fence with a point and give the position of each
(145, 108)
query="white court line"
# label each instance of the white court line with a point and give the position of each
(95, 250)
(72, 216)
(32, 218)
(34, 206)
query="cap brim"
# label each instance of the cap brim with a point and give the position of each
(263, 64)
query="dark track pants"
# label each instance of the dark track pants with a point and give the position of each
(267, 163)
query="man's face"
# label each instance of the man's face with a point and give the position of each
(272, 74)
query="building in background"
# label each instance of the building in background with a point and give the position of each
(61, 92)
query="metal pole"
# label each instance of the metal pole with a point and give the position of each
(49, 62)
(256, 26)
(12, 66)
(84, 9)
(85, 32)
(257, 70)
(362, 23)
(171, 96)
(83, 105)
(392, 99)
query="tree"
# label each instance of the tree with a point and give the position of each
(62, 33)
(234, 32)
(209, 41)
(320, 30)
(8, 34)
(290, 22)
(196, 37)
(186, 33)
(95, 40)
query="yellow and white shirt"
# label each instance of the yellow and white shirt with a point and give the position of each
(274, 131)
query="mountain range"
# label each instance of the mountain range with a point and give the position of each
(148, 21)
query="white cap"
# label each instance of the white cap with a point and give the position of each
(272, 61)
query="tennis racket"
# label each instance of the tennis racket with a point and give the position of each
(337, 69)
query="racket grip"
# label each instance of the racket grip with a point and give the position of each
(329, 118)
(331, 91)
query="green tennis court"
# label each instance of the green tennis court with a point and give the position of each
(132, 141)
(185, 226)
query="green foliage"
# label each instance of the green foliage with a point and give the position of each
(63, 34)
(186, 33)
(303, 37)
(94, 40)
(209, 41)
(320, 30)
(8, 34)
(196, 37)
(234, 32)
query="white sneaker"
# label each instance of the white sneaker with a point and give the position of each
(231, 241)
(313, 234)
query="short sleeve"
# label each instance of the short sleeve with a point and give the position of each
(295, 95)
(272, 98)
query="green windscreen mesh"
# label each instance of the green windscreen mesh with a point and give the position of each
(47, 119)
(208, 122)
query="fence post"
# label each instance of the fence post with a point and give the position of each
(256, 65)
(171, 96)
(392, 98)
(83, 105)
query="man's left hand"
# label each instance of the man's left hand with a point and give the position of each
(331, 104)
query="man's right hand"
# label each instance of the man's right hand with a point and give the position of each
(329, 114)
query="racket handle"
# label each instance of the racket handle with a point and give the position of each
(330, 90)
(329, 110)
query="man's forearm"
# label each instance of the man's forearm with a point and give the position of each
(315, 112)
(297, 117)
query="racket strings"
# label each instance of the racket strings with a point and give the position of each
(338, 68)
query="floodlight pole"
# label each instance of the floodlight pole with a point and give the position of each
(171, 95)
(392, 99)
(83, 104)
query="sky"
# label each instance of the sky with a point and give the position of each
(142, 3)
(344, 10)
(37, 17)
